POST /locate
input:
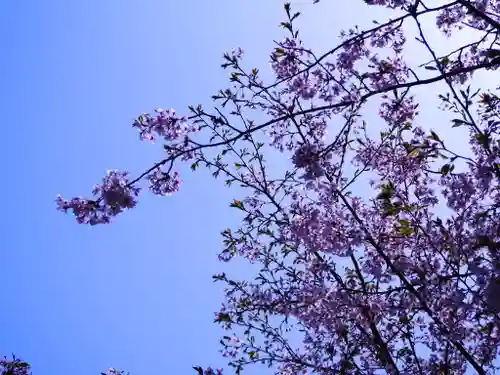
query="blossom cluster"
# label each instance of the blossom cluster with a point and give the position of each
(307, 157)
(14, 366)
(162, 183)
(112, 196)
(163, 123)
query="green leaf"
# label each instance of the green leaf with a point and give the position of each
(387, 192)
(414, 153)
(405, 228)
(458, 122)
(389, 209)
(223, 317)
(238, 166)
(445, 169)
(404, 222)
(238, 204)
(383, 196)
(405, 231)
(253, 355)
(286, 25)
(445, 61)
(219, 277)
(434, 136)
(483, 139)
(404, 319)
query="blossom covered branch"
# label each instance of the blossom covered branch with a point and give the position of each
(380, 244)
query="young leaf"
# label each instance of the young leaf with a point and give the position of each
(458, 122)
(238, 204)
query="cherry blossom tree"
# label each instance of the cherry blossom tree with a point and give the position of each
(377, 251)
(14, 366)
(17, 366)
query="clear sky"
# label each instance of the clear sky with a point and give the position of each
(137, 294)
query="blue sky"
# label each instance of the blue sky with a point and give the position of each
(136, 294)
